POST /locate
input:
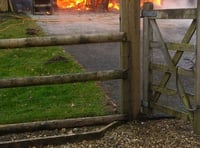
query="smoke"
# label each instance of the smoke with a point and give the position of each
(170, 4)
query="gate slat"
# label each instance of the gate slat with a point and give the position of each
(147, 52)
(165, 68)
(170, 14)
(174, 46)
(169, 92)
(164, 48)
(176, 57)
(170, 111)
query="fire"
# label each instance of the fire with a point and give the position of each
(86, 4)
(156, 2)
(113, 5)
(77, 4)
(91, 4)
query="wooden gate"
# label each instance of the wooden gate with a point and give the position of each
(163, 76)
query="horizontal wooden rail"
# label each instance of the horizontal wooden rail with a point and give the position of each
(61, 79)
(58, 124)
(62, 40)
(61, 139)
(170, 14)
(174, 46)
(170, 111)
(169, 91)
(164, 68)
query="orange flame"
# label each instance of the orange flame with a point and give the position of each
(84, 4)
(78, 4)
(113, 4)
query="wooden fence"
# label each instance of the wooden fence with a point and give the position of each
(153, 39)
(62, 40)
(129, 73)
(130, 59)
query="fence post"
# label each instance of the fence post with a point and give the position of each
(146, 58)
(130, 57)
(196, 123)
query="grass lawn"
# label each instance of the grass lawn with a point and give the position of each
(28, 104)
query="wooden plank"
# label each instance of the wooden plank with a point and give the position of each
(146, 58)
(165, 68)
(62, 40)
(131, 88)
(170, 111)
(63, 79)
(11, 6)
(58, 124)
(170, 14)
(124, 54)
(163, 48)
(166, 91)
(169, 92)
(174, 46)
(196, 124)
(57, 140)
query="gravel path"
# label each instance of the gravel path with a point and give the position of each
(144, 134)
(165, 133)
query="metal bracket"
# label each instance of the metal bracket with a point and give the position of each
(149, 13)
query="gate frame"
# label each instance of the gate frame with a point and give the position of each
(192, 114)
(196, 124)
